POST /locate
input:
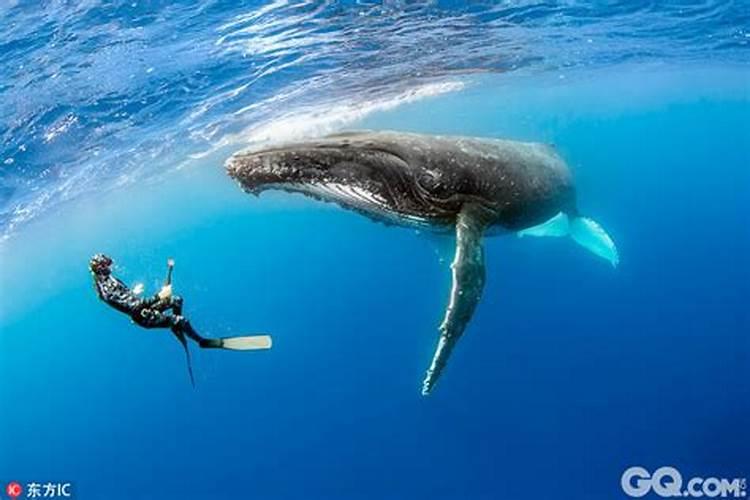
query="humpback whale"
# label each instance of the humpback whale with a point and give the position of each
(470, 186)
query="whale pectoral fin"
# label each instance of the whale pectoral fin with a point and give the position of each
(468, 281)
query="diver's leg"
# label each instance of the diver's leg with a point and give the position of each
(182, 325)
(181, 337)
(153, 318)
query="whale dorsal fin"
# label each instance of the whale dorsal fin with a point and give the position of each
(468, 282)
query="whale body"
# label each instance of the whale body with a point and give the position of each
(470, 186)
(411, 178)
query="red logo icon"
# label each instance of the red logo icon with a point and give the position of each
(14, 490)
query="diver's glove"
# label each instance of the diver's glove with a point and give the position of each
(165, 293)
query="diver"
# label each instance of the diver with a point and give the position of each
(163, 310)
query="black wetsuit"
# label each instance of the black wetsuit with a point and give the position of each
(151, 312)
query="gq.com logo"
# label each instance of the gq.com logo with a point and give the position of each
(667, 482)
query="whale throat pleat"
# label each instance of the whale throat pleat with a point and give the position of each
(352, 197)
(341, 193)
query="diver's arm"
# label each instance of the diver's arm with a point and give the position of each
(161, 298)
(165, 294)
(152, 301)
(159, 301)
(115, 293)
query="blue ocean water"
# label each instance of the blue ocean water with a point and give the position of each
(115, 122)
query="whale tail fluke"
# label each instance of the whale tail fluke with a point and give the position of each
(584, 231)
(592, 236)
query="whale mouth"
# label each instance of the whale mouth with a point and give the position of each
(353, 197)
(353, 170)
